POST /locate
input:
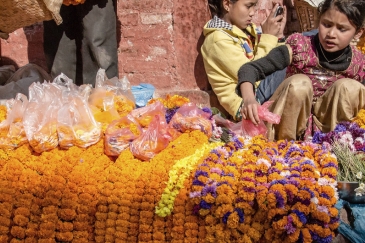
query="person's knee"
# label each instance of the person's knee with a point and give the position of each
(300, 85)
(347, 85)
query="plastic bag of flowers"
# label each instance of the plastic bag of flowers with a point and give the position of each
(153, 140)
(189, 117)
(40, 116)
(76, 125)
(145, 115)
(110, 100)
(119, 134)
(12, 133)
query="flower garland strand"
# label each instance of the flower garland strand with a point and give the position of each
(177, 176)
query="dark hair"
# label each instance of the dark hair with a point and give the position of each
(216, 7)
(353, 9)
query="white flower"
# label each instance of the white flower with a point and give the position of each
(285, 173)
(314, 200)
(360, 190)
(359, 175)
(263, 161)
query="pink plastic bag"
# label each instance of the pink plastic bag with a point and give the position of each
(189, 117)
(119, 134)
(249, 129)
(153, 140)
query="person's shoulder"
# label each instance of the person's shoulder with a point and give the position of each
(358, 56)
(298, 37)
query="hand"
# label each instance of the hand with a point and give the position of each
(274, 25)
(250, 111)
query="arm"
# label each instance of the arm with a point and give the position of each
(222, 59)
(251, 71)
(278, 59)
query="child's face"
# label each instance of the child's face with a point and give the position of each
(240, 13)
(335, 30)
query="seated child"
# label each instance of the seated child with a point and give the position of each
(324, 74)
(231, 40)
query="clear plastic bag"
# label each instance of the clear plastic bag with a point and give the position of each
(189, 117)
(12, 129)
(40, 116)
(153, 140)
(111, 99)
(76, 125)
(120, 133)
(249, 129)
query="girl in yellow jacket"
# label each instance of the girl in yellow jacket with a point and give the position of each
(230, 41)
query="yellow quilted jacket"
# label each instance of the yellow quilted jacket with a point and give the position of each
(223, 55)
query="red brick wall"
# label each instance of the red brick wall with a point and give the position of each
(159, 43)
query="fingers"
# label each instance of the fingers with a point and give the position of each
(250, 112)
(253, 115)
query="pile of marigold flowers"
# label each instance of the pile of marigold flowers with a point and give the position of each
(178, 186)
(192, 191)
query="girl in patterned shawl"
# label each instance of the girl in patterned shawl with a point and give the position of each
(323, 78)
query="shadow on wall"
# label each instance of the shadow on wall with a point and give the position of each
(199, 71)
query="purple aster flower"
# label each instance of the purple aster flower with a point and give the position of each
(212, 189)
(301, 216)
(290, 229)
(170, 113)
(216, 152)
(331, 164)
(195, 194)
(248, 179)
(196, 182)
(223, 182)
(259, 173)
(279, 200)
(216, 170)
(273, 170)
(225, 217)
(249, 189)
(324, 195)
(283, 182)
(208, 110)
(240, 215)
(318, 239)
(203, 204)
(310, 191)
(341, 127)
(201, 173)
(334, 220)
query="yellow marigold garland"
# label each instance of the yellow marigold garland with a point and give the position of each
(177, 176)
(360, 118)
